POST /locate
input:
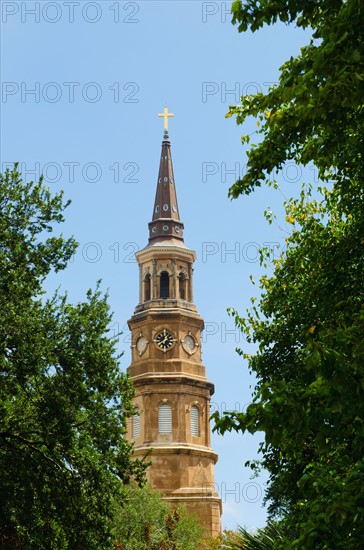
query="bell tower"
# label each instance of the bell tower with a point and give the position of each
(172, 391)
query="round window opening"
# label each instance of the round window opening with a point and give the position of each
(165, 207)
(154, 230)
(165, 227)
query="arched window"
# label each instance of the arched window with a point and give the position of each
(147, 285)
(195, 420)
(136, 424)
(164, 285)
(165, 419)
(182, 286)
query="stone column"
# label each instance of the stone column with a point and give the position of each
(146, 418)
(207, 413)
(140, 284)
(154, 277)
(174, 276)
(190, 280)
(182, 419)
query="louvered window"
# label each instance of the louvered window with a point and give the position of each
(195, 420)
(136, 425)
(165, 419)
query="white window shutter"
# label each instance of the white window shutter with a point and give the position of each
(165, 419)
(136, 425)
(195, 420)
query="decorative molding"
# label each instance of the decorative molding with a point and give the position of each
(164, 267)
(183, 270)
(151, 252)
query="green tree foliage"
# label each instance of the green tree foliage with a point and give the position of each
(309, 321)
(143, 521)
(315, 113)
(63, 400)
(267, 538)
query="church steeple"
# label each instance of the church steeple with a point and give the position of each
(166, 223)
(172, 393)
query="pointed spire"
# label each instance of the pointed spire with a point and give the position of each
(166, 223)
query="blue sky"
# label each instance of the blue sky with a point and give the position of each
(82, 84)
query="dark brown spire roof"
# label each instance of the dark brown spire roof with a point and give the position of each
(165, 224)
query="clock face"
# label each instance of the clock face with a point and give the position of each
(189, 343)
(141, 344)
(164, 340)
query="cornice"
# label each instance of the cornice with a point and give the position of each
(161, 309)
(172, 250)
(182, 448)
(154, 378)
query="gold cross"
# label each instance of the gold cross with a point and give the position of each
(166, 116)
